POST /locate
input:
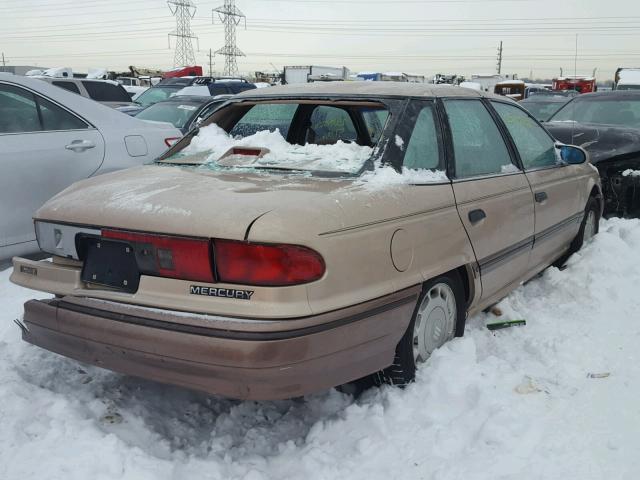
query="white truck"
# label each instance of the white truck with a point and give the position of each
(314, 73)
(488, 81)
(627, 79)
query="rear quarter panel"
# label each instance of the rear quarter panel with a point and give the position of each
(356, 230)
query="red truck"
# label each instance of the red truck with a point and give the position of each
(192, 71)
(577, 83)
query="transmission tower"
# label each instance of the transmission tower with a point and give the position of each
(230, 16)
(499, 62)
(183, 10)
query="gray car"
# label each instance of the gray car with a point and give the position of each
(51, 138)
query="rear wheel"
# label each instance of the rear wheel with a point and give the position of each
(439, 314)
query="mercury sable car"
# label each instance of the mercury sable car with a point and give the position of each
(307, 236)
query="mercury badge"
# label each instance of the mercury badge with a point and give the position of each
(221, 292)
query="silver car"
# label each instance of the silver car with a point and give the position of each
(51, 138)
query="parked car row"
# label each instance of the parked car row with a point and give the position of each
(200, 86)
(303, 237)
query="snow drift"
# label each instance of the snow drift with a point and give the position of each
(556, 399)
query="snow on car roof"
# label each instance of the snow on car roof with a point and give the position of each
(510, 82)
(402, 89)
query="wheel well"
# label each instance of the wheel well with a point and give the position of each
(463, 272)
(597, 195)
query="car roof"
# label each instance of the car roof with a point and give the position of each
(199, 99)
(613, 94)
(547, 99)
(379, 89)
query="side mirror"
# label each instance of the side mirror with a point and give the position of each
(572, 155)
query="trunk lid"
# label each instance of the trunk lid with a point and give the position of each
(182, 200)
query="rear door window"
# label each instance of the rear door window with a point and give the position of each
(375, 120)
(71, 86)
(106, 92)
(535, 146)
(422, 150)
(478, 146)
(18, 111)
(56, 118)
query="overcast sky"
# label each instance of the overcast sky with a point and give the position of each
(414, 36)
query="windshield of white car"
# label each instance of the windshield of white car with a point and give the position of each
(156, 94)
(288, 136)
(624, 112)
(176, 113)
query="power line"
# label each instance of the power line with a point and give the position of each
(230, 16)
(183, 10)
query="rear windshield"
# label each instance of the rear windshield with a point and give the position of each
(156, 94)
(607, 111)
(310, 137)
(106, 92)
(176, 113)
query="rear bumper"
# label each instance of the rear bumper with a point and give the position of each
(259, 360)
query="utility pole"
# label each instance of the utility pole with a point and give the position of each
(183, 10)
(230, 16)
(210, 64)
(499, 64)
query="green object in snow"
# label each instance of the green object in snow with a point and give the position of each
(507, 324)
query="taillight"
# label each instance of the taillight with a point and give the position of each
(169, 142)
(167, 256)
(274, 265)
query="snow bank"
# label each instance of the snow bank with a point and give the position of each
(341, 157)
(513, 404)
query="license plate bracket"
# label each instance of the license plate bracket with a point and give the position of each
(111, 263)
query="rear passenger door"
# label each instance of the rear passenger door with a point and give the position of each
(492, 194)
(43, 149)
(559, 190)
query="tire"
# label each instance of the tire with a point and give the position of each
(436, 320)
(589, 227)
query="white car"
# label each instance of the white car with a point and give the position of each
(51, 138)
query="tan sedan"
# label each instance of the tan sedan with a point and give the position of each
(305, 237)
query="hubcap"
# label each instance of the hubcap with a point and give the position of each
(590, 226)
(435, 321)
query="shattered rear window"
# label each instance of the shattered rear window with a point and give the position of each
(306, 136)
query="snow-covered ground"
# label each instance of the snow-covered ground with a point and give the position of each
(514, 404)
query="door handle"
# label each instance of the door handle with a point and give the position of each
(80, 145)
(541, 197)
(476, 216)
